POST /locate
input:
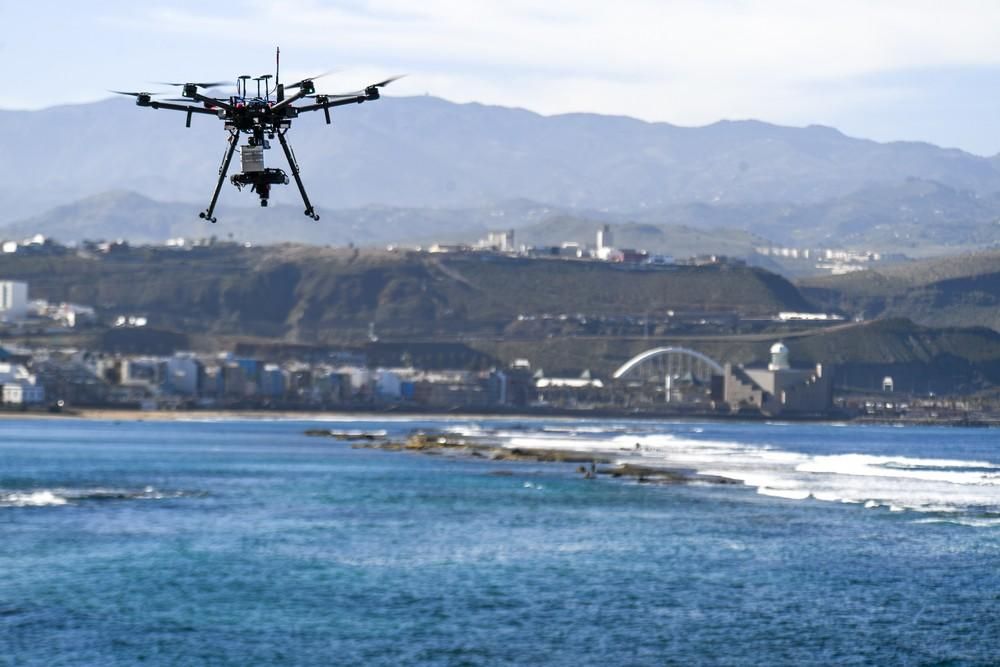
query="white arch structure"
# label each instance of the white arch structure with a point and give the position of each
(675, 360)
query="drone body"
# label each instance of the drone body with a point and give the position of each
(261, 118)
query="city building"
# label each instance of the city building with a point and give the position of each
(388, 385)
(273, 381)
(626, 255)
(604, 238)
(778, 389)
(141, 372)
(13, 301)
(20, 387)
(569, 391)
(182, 374)
(500, 240)
(23, 393)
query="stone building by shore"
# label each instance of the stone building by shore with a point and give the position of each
(778, 389)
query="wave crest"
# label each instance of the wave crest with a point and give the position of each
(68, 496)
(894, 483)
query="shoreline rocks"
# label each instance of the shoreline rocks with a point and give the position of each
(592, 464)
(341, 435)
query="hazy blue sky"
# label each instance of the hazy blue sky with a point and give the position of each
(891, 69)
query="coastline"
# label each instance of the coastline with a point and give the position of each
(118, 414)
(138, 415)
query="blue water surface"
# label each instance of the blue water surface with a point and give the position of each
(248, 543)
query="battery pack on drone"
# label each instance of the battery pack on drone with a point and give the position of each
(253, 158)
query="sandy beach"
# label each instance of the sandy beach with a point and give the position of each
(165, 415)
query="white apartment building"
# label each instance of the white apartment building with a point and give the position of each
(13, 301)
(19, 386)
(23, 393)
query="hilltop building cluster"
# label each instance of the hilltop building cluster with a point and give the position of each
(825, 260)
(16, 308)
(37, 244)
(830, 260)
(603, 250)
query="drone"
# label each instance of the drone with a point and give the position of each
(262, 117)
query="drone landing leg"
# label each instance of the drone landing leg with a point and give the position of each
(234, 138)
(293, 165)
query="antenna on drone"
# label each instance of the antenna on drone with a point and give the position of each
(277, 82)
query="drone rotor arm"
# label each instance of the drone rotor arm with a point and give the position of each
(180, 107)
(329, 101)
(367, 94)
(211, 101)
(303, 91)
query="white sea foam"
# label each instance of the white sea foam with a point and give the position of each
(791, 494)
(897, 483)
(971, 521)
(31, 499)
(578, 429)
(67, 496)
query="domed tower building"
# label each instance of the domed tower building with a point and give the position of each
(779, 358)
(778, 389)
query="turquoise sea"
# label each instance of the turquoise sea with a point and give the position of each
(247, 543)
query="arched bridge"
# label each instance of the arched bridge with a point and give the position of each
(669, 362)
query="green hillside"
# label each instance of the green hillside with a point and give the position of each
(322, 295)
(961, 290)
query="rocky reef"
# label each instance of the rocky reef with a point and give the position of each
(591, 464)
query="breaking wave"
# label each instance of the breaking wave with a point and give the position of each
(890, 483)
(67, 496)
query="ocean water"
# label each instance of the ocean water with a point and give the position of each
(247, 543)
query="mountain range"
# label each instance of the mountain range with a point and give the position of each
(421, 168)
